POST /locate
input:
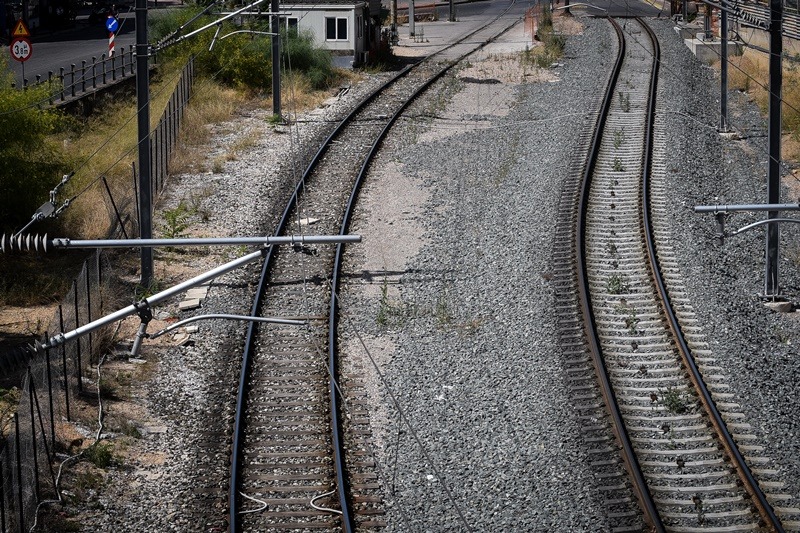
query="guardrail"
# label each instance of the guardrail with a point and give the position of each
(79, 80)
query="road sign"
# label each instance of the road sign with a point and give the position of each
(21, 49)
(20, 30)
(112, 24)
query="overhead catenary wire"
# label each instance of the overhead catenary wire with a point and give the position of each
(680, 78)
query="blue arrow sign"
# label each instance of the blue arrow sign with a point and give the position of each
(112, 24)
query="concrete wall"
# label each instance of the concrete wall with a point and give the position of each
(313, 18)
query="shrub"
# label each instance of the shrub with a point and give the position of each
(30, 165)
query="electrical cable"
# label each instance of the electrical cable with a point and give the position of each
(680, 79)
(98, 434)
(404, 417)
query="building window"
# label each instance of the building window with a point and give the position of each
(291, 26)
(335, 29)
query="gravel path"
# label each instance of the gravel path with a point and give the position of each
(450, 298)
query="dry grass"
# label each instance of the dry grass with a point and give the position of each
(750, 73)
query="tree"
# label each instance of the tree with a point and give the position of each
(30, 163)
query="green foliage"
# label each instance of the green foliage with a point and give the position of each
(176, 221)
(30, 165)
(99, 454)
(553, 42)
(300, 54)
(617, 285)
(243, 60)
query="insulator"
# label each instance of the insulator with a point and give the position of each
(24, 243)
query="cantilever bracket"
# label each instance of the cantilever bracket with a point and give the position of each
(145, 315)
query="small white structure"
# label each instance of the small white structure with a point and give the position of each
(346, 27)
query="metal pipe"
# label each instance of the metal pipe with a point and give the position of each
(762, 222)
(42, 243)
(176, 325)
(745, 207)
(156, 298)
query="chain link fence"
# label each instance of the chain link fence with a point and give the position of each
(34, 435)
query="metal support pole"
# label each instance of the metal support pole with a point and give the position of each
(723, 73)
(18, 453)
(43, 244)
(143, 125)
(276, 59)
(393, 27)
(452, 16)
(745, 207)
(771, 287)
(411, 18)
(137, 308)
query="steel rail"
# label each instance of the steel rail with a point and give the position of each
(252, 329)
(743, 470)
(249, 348)
(630, 460)
(333, 317)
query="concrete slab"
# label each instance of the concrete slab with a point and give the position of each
(710, 51)
(188, 305)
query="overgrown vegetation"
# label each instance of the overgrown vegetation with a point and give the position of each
(37, 147)
(244, 60)
(750, 73)
(31, 162)
(552, 41)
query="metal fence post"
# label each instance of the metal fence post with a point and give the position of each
(3, 493)
(50, 85)
(72, 71)
(88, 305)
(44, 438)
(114, 205)
(79, 370)
(103, 60)
(61, 78)
(94, 72)
(21, 510)
(83, 76)
(64, 361)
(50, 395)
(33, 437)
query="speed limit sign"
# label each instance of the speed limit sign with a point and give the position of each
(21, 49)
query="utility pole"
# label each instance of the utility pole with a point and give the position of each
(411, 18)
(143, 126)
(393, 36)
(774, 134)
(452, 17)
(276, 59)
(723, 73)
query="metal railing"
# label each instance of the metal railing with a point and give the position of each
(79, 80)
(165, 134)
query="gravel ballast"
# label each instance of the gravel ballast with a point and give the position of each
(450, 297)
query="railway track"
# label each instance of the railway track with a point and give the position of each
(301, 454)
(660, 395)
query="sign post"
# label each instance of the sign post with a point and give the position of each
(112, 25)
(21, 47)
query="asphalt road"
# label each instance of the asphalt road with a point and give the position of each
(73, 45)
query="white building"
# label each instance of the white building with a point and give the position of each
(349, 28)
